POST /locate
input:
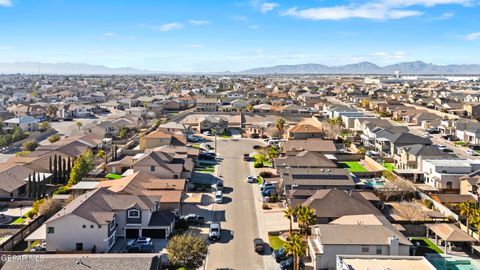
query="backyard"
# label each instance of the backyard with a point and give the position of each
(425, 245)
(205, 168)
(352, 166)
(113, 176)
(389, 166)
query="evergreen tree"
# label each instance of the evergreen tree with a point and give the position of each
(55, 170)
(64, 171)
(34, 189)
(29, 185)
(69, 167)
(50, 165)
(44, 187)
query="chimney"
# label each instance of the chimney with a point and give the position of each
(394, 245)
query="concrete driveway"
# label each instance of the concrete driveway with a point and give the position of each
(121, 245)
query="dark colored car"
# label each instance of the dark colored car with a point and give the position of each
(141, 248)
(447, 150)
(247, 157)
(279, 255)
(257, 146)
(254, 136)
(288, 263)
(259, 245)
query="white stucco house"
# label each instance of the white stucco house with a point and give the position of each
(446, 173)
(94, 220)
(26, 123)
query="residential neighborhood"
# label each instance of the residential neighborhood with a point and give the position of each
(291, 172)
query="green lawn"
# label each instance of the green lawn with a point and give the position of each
(225, 136)
(427, 246)
(205, 167)
(353, 166)
(460, 143)
(389, 166)
(275, 242)
(196, 146)
(19, 220)
(267, 163)
(113, 176)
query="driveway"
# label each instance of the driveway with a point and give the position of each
(121, 244)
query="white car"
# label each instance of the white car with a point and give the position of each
(206, 133)
(471, 152)
(251, 179)
(218, 196)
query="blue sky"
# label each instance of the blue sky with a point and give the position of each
(180, 35)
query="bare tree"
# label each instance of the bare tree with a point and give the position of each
(410, 210)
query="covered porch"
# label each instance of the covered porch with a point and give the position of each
(450, 237)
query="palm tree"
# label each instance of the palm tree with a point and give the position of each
(280, 125)
(79, 124)
(289, 213)
(296, 247)
(306, 217)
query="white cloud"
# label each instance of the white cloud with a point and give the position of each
(6, 3)
(254, 26)
(472, 36)
(387, 55)
(377, 10)
(6, 47)
(110, 34)
(446, 15)
(168, 27)
(266, 7)
(198, 22)
(240, 18)
(193, 46)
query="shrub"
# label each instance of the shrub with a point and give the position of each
(265, 174)
(30, 145)
(273, 199)
(54, 138)
(428, 204)
(265, 206)
(258, 164)
(62, 190)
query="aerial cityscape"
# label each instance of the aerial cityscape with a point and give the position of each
(255, 134)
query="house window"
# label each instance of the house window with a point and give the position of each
(99, 226)
(50, 230)
(133, 213)
(91, 226)
(84, 226)
(379, 250)
(79, 246)
(152, 168)
(365, 249)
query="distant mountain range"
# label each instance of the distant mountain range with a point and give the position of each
(414, 68)
(417, 67)
(66, 69)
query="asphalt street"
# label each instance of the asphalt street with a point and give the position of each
(237, 213)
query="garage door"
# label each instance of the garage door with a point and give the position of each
(154, 233)
(132, 233)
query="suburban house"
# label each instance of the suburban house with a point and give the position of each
(206, 105)
(304, 131)
(210, 122)
(330, 204)
(361, 262)
(293, 147)
(98, 217)
(389, 143)
(355, 235)
(160, 138)
(169, 191)
(305, 159)
(446, 173)
(26, 123)
(160, 164)
(470, 185)
(314, 178)
(411, 156)
(468, 131)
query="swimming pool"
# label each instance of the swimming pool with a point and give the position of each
(449, 263)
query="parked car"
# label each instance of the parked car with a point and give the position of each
(193, 218)
(372, 153)
(266, 185)
(207, 156)
(254, 136)
(474, 146)
(427, 135)
(450, 138)
(433, 131)
(219, 185)
(247, 157)
(447, 150)
(257, 147)
(269, 192)
(259, 245)
(251, 179)
(279, 255)
(206, 133)
(218, 196)
(471, 152)
(140, 245)
(215, 231)
(288, 263)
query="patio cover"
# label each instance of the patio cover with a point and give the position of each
(450, 233)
